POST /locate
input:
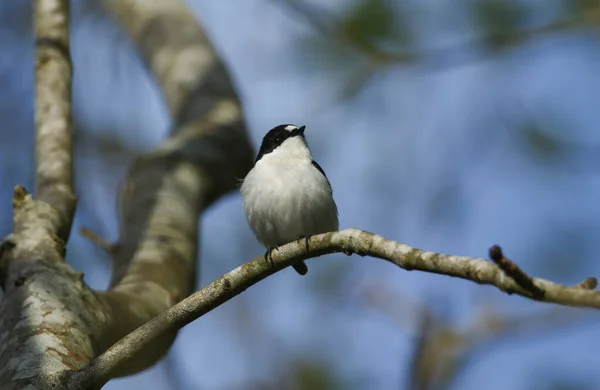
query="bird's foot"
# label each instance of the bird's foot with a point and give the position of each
(269, 255)
(306, 243)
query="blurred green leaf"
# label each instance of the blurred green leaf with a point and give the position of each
(587, 11)
(311, 372)
(368, 20)
(584, 5)
(374, 21)
(312, 375)
(499, 20)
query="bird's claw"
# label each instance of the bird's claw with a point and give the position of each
(269, 255)
(306, 243)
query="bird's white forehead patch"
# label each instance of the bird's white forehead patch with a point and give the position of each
(291, 127)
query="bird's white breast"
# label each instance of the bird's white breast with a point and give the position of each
(286, 197)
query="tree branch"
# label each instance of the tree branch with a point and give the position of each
(96, 239)
(51, 322)
(53, 120)
(206, 156)
(516, 273)
(49, 319)
(177, 51)
(41, 292)
(349, 241)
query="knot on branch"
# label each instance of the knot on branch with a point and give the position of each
(20, 196)
(589, 284)
(6, 247)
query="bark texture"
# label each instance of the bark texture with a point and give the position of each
(51, 323)
(53, 121)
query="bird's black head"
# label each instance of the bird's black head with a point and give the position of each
(276, 136)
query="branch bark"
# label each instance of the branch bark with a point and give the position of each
(53, 120)
(349, 241)
(51, 322)
(206, 156)
(41, 292)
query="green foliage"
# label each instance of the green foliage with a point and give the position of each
(372, 22)
(311, 375)
(584, 5)
(499, 21)
(369, 20)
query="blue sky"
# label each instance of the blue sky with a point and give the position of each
(431, 158)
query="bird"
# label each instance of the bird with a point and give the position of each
(286, 194)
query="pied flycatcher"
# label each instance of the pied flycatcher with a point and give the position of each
(286, 194)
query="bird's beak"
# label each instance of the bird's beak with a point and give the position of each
(301, 130)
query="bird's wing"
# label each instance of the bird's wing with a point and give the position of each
(316, 165)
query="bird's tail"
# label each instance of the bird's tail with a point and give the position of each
(301, 268)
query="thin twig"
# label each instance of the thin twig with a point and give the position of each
(347, 241)
(53, 120)
(513, 270)
(96, 239)
(165, 191)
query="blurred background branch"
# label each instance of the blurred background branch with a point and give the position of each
(442, 350)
